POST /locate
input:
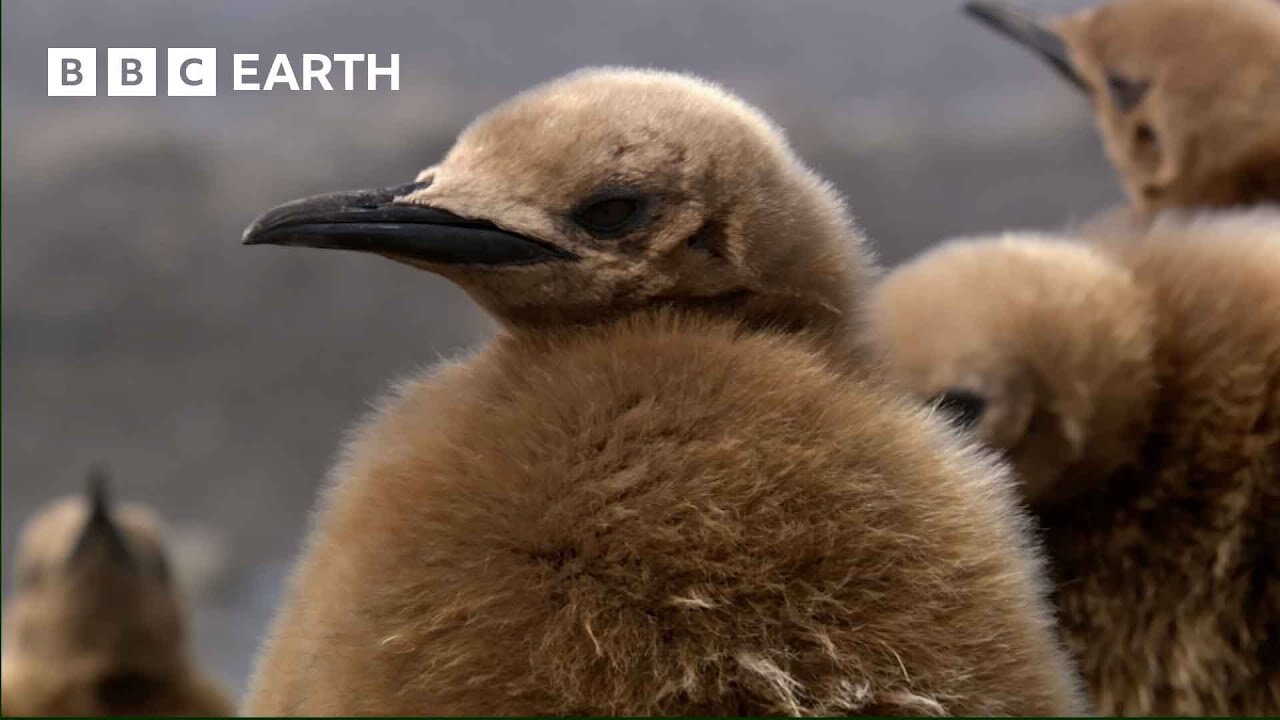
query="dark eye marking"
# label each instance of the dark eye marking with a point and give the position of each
(1144, 136)
(709, 238)
(612, 213)
(1126, 93)
(963, 406)
(609, 215)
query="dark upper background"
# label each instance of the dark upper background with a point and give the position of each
(217, 380)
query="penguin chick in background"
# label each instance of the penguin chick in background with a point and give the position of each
(661, 489)
(1186, 93)
(1041, 347)
(1134, 384)
(96, 626)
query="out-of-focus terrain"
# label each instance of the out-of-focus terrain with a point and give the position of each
(217, 381)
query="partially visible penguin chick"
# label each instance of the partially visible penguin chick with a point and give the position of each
(658, 491)
(96, 626)
(1135, 386)
(1186, 92)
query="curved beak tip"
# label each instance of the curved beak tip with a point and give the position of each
(983, 9)
(259, 232)
(250, 235)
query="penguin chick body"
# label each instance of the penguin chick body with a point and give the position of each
(1134, 383)
(96, 626)
(658, 490)
(1185, 92)
(662, 516)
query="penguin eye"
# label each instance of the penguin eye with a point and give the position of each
(1126, 93)
(964, 407)
(612, 215)
(1145, 138)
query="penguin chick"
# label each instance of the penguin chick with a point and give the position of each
(95, 626)
(1135, 386)
(1043, 348)
(1186, 92)
(657, 491)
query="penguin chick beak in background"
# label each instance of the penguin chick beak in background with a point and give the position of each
(100, 529)
(376, 221)
(1030, 31)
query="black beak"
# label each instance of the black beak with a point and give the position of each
(100, 530)
(371, 221)
(1028, 30)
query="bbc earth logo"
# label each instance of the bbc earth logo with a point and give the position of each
(134, 72)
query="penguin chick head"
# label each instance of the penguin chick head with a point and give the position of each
(1039, 347)
(604, 192)
(1185, 92)
(93, 587)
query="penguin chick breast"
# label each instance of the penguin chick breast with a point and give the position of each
(662, 516)
(1200, 509)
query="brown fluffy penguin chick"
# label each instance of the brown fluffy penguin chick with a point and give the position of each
(1136, 389)
(1186, 92)
(96, 626)
(655, 492)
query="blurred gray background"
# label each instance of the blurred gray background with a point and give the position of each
(217, 381)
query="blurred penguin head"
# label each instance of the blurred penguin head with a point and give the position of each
(93, 585)
(608, 191)
(1041, 348)
(1186, 92)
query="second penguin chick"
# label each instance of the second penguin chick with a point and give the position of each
(1186, 92)
(1135, 387)
(658, 491)
(96, 626)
